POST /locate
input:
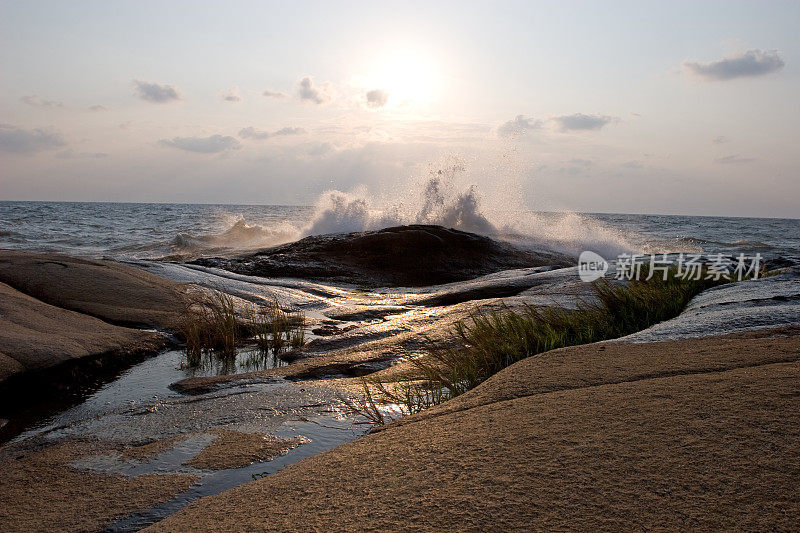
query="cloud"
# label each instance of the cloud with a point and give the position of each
(203, 145)
(633, 164)
(519, 126)
(581, 122)
(232, 95)
(745, 65)
(98, 108)
(733, 160)
(71, 154)
(580, 162)
(274, 94)
(720, 140)
(153, 92)
(320, 149)
(33, 100)
(252, 133)
(20, 141)
(377, 98)
(308, 92)
(288, 130)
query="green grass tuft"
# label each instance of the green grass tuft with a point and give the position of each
(489, 342)
(209, 324)
(275, 329)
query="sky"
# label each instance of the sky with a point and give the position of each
(625, 107)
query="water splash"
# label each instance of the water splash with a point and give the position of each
(469, 195)
(438, 204)
(447, 199)
(240, 235)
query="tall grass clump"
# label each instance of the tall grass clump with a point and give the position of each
(209, 324)
(259, 322)
(488, 342)
(275, 329)
(297, 329)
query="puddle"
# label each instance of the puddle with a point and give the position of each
(136, 405)
(146, 382)
(323, 433)
(247, 360)
(170, 461)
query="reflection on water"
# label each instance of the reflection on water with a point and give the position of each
(248, 359)
(146, 381)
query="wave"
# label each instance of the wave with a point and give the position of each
(694, 241)
(444, 198)
(339, 212)
(441, 202)
(239, 237)
(572, 233)
(14, 237)
(753, 244)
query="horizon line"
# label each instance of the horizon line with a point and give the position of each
(312, 206)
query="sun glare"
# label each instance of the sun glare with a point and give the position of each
(407, 76)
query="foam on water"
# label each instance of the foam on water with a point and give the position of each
(240, 236)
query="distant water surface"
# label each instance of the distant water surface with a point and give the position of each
(185, 231)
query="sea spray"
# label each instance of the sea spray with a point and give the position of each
(339, 212)
(447, 199)
(484, 199)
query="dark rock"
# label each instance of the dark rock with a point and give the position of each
(413, 256)
(329, 330)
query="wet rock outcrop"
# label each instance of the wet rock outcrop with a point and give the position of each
(113, 292)
(411, 256)
(57, 310)
(35, 336)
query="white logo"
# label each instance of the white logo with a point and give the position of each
(591, 266)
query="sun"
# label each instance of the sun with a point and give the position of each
(407, 76)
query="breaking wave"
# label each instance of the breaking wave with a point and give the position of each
(441, 201)
(339, 212)
(446, 197)
(240, 236)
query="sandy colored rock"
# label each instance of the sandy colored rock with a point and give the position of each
(233, 449)
(35, 335)
(150, 450)
(41, 492)
(114, 292)
(615, 362)
(640, 443)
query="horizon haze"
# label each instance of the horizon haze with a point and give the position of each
(682, 108)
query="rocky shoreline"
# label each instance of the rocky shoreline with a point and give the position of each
(698, 434)
(595, 436)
